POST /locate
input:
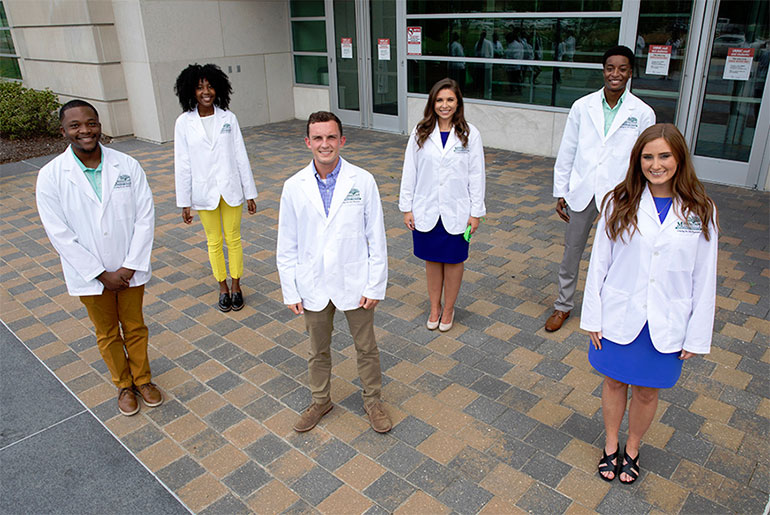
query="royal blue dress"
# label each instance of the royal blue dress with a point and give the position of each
(639, 362)
(437, 244)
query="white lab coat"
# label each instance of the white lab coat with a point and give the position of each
(446, 181)
(206, 170)
(589, 164)
(92, 236)
(342, 257)
(665, 274)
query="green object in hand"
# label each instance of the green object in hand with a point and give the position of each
(467, 234)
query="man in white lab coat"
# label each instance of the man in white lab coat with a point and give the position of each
(97, 209)
(332, 254)
(601, 129)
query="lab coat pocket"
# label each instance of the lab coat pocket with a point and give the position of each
(305, 280)
(356, 275)
(199, 192)
(614, 306)
(122, 204)
(678, 317)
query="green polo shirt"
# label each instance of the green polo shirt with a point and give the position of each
(93, 175)
(611, 112)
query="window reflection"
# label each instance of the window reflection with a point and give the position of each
(565, 39)
(525, 84)
(661, 23)
(494, 6)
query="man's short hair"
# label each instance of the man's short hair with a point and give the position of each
(619, 50)
(323, 116)
(76, 103)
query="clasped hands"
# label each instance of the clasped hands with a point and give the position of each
(118, 280)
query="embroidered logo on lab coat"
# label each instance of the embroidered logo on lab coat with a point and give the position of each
(353, 197)
(226, 129)
(692, 225)
(124, 181)
(630, 123)
(461, 149)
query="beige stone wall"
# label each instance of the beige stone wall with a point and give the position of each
(71, 47)
(248, 39)
(124, 56)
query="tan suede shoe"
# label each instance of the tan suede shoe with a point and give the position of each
(312, 416)
(379, 420)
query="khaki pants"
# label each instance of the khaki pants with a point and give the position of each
(125, 354)
(320, 325)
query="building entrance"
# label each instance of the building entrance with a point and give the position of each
(368, 68)
(727, 124)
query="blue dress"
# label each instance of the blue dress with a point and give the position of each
(437, 244)
(639, 362)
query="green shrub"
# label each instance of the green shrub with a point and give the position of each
(26, 112)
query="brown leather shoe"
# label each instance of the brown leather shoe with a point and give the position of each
(127, 402)
(556, 320)
(312, 416)
(379, 420)
(150, 394)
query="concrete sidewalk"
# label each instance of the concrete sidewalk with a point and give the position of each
(495, 416)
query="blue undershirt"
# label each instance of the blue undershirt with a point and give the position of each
(662, 206)
(444, 137)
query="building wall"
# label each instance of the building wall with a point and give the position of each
(124, 56)
(529, 131)
(72, 48)
(248, 39)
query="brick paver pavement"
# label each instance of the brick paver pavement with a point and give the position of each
(495, 416)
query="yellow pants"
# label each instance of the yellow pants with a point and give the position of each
(225, 219)
(121, 334)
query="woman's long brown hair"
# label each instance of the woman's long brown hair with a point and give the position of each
(687, 189)
(429, 117)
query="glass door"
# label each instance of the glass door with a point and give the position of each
(366, 81)
(727, 130)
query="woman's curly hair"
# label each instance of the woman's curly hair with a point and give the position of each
(188, 81)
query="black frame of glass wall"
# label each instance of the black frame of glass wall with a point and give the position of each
(9, 59)
(308, 42)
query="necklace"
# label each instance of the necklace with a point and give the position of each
(665, 206)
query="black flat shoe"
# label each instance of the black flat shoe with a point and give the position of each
(630, 467)
(225, 302)
(237, 301)
(605, 464)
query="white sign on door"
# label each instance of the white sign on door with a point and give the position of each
(658, 59)
(414, 40)
(383, 49)
(738, 63)
(346, 48)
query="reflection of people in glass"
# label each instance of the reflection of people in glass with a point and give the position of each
(513, 50)
(651, 288)
(483, 78)
(497, 46)
(457, 69)
(600, 131)
(442, 195)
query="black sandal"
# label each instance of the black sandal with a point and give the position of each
(630, 467)
(605, 464)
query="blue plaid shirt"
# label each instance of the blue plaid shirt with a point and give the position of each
(326, 187)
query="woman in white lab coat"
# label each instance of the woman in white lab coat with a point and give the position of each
(212, 171)
(651, 288)
(442, 195)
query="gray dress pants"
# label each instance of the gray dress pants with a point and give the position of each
(575, 238)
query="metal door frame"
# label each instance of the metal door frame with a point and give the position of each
(365, 116)
(735, 173)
